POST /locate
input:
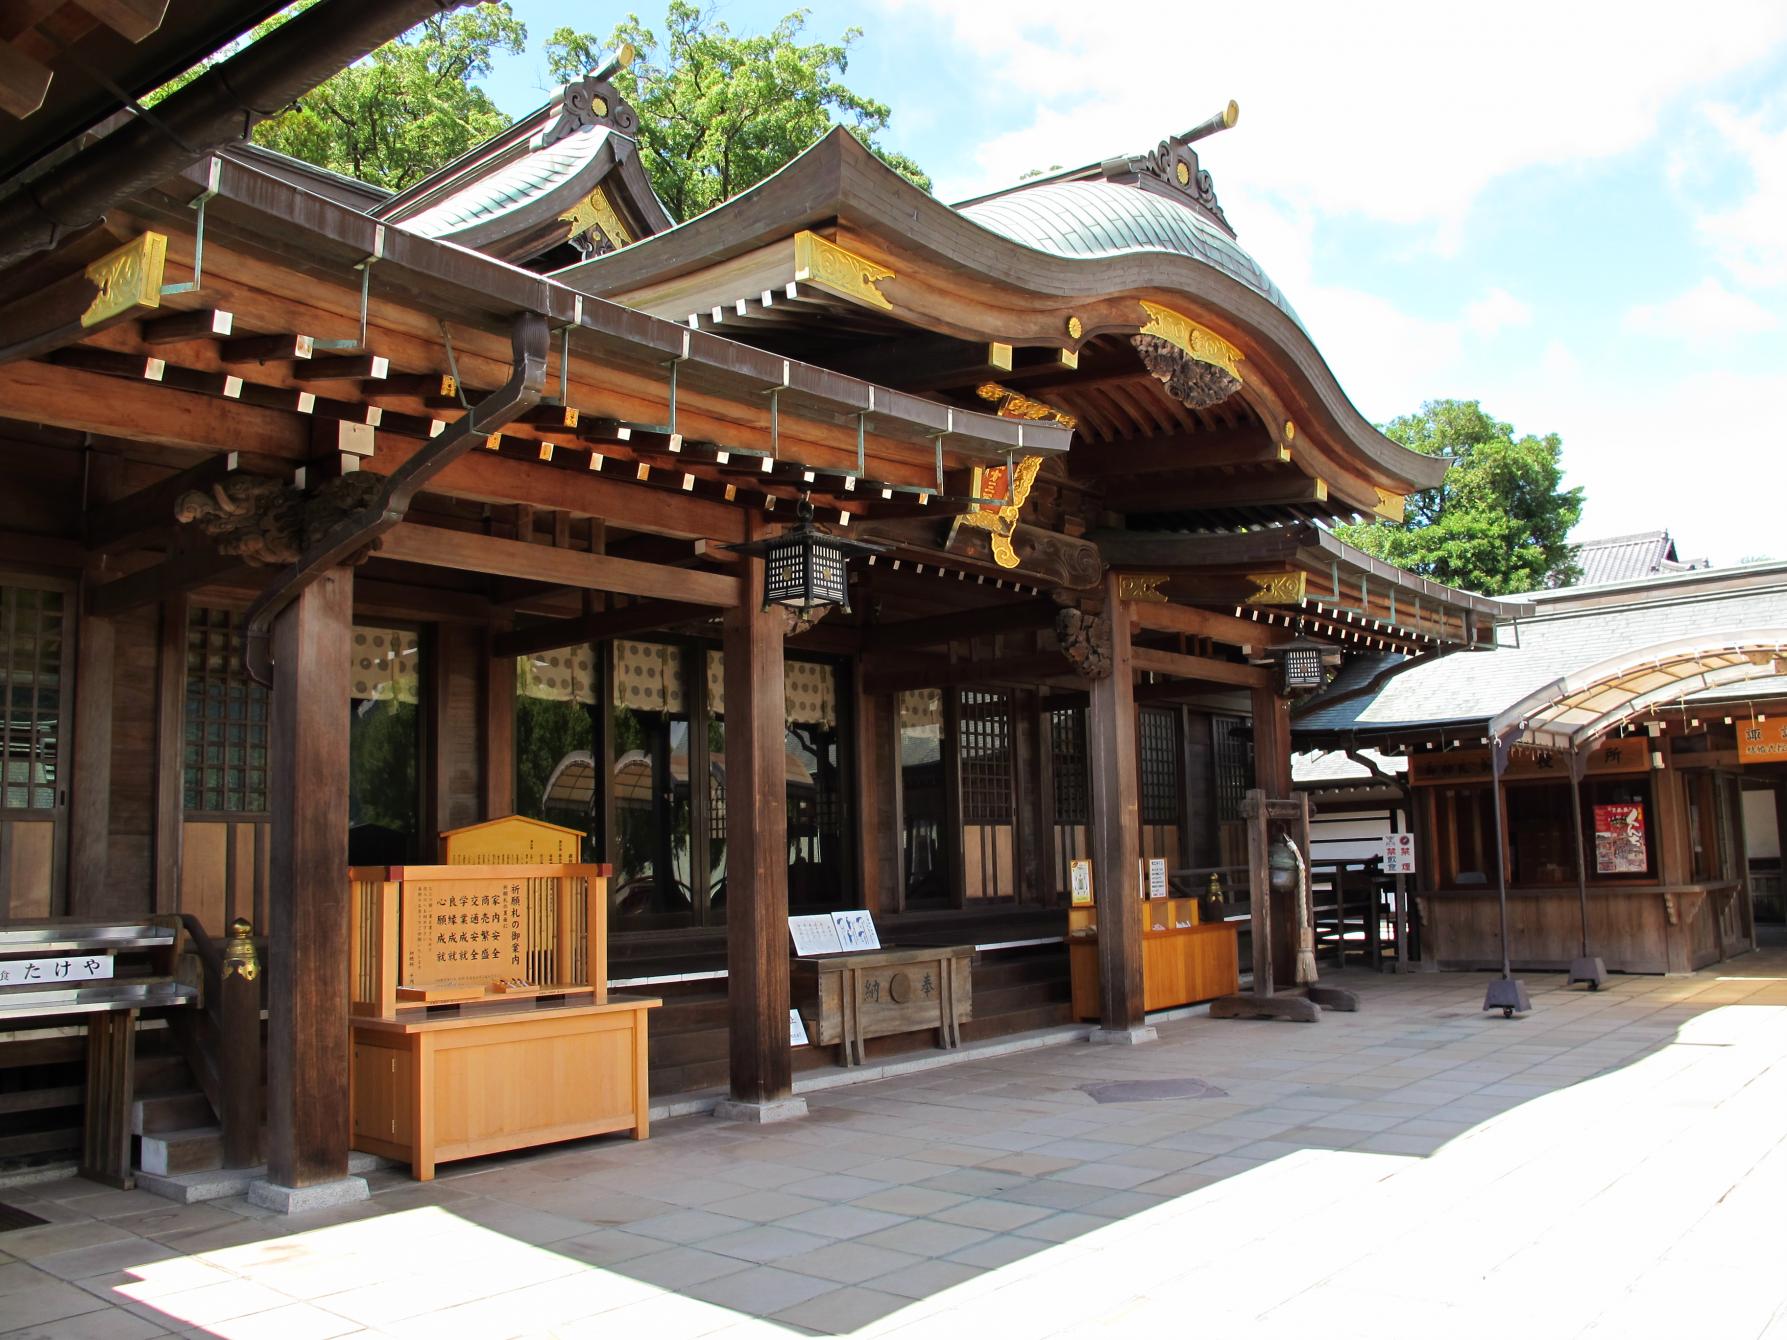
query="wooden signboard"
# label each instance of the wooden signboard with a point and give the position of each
(512, 841)
(1452, 767)
(1762, 741)
(463, 929)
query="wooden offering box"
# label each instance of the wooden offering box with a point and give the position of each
(1183, 961)
(849, 998)
(482, 1019)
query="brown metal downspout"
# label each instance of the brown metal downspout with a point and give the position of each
(220, 106)
(515, 397)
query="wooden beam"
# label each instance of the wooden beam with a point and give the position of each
(204, 323)
(1272, 774)
(1205, 668)
(167, 790)
(927, 362)
(1282, 487)
(90, 793)
(756, 847)
(1249, 444)
(308, 1128)
(634, 619)
(117, 287)
(182, 572)
(1226, 628)
(1116, 833)
(962, 624)
(498, 721)
(1043, 667)
(117, 525)
(132, 20)
(24, 83)
(413, 543)
(281, 348)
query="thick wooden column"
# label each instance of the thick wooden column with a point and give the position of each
(756, 847)
(170, 752)
(499, 732)
(90, 891)
(1272, 774)
(1116, 830)
(307, 930)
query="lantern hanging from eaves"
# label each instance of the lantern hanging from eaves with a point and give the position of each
(1302, 666)
(804, 567)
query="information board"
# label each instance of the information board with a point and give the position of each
(1760, 740)
(38, 971)
(815, 935)
(463, 930)
(512, 840)
(1157, 877)
(1079, 880)
(1399, 853)
(1620, 848)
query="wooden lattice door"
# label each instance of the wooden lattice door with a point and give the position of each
(35, 661)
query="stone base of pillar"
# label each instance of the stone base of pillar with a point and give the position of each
(1591, 970)
(1123, 1037)
(761, 1114)
(298, 1199)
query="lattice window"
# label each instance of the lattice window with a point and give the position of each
(226, 720)
(1234, 765)
(30, 695)
(1067, 765)
(1158, 744)
(985, 742)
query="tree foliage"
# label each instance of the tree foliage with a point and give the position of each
(405, 110)
(718, 111)
(1499, 523)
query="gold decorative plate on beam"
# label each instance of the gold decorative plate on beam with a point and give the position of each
(127, 278)
(827, 265)
(1182, 332)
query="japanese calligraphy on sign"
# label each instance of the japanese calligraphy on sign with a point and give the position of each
(55, 971)
(1762, 741)
(463, 930)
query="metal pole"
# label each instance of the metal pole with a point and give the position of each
(1586, 968)
(1504, 994)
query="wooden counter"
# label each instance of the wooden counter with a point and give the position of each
(1648, 928)
(1181, 965)
(455, 1084)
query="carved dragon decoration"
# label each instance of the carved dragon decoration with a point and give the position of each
(266, 522)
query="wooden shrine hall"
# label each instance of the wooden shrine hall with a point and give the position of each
(338, 521)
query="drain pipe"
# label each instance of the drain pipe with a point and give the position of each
(515, 397)
(220, 106)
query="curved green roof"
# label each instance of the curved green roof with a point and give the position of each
(1096, 218)
(512, 186)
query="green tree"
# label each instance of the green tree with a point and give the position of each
(719, 112)
(405, 110)
(1500, 522)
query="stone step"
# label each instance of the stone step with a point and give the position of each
(219, 1183)
(179, 1111)
(196, 1149)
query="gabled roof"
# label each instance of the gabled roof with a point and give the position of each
(736, 260)
(568, 172)
(1625, 558)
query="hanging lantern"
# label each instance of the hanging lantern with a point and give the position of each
(804, 567)
(1302, 666)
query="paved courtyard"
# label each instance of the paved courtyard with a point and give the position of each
(1612, 1165)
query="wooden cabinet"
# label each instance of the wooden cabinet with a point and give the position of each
(848, 998)
(1183, 961)
(430, 1090)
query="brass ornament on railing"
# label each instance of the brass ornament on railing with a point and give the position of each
(239, 953)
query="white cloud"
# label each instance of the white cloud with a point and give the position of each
(1405, 111)
(1708, 311)
(1495, 311)
(1750, 237)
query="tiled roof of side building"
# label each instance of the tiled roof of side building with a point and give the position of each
(1535, 652)
(515, 184)
(1096, 218)
(1624, 558)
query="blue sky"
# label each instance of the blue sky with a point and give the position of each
(1574, 212)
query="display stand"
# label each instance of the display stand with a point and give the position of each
(1284, 819)
(845, 997)
(1184, 959)
(482, 1018)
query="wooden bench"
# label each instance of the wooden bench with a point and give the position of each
(107, 974)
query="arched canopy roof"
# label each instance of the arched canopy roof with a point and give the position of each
(1575, 709)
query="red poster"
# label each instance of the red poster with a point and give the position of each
(1619, 840)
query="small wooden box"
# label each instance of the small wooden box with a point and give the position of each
(848, 998)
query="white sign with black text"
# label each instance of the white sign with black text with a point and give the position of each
(1399, 853)
(55, 971)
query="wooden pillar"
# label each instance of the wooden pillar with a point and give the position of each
(499, 732)
(1272, 774)
(111, 1072)
(756, 846)
(90, 893)
(1116, 828)
(170, 752)
(308, 912)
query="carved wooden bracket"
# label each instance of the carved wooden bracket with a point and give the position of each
(795, 622)
(1671, 913)
(266, 522)
(1085, 638)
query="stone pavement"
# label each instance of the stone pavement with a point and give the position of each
(1612, 1165)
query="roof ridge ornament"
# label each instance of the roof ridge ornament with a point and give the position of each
(592, 101)
(1174, 164)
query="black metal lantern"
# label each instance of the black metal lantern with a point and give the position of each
(1302, 666)
(804, 567)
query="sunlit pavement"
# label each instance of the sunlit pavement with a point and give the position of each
(1611, 1165)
